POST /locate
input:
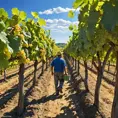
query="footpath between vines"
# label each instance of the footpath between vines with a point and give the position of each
(42, 102)
(74, 102)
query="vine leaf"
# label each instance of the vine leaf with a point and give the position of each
(15, 11)
(109, 22)
(70, 14)
(3, 13)
(41, 22)
(77, 3)
(35, 14)
(22, 15)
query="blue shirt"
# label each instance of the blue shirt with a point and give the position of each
(58, 64)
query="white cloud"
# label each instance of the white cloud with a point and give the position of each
(49, 11)
(59, 29)
(59, 25)
(57, 10)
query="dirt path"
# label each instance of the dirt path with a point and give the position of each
(42, 103)
(74, 102)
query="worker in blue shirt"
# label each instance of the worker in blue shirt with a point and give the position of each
(58, 69)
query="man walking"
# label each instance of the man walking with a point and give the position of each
(58, 69)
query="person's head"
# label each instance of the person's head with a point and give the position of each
(59, 54)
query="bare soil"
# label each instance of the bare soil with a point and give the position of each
(41, 101)
(106, 92)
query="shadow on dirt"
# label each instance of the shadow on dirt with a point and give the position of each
(67, 113)
(29, 109)
(81, 98)
(44, 99)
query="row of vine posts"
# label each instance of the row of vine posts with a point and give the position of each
(100, 70)
(21, 102)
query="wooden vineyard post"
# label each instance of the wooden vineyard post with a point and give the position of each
(35, 70)
(21, 90)
(86, 76)
(98, 83)
(114, 113)
(75, 64)
(5, 75)
(42, 71)
(109, 66)
(101, 67)
(46, 63)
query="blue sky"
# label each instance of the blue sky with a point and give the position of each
(53, 11)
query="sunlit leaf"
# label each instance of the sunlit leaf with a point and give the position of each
(71, 27)
(3, 38)
(22, 15)
(2, 26)
(35, 14)
(77, 3)
(42, 22)
(70, 14)
(3, 13)
(15, 11)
